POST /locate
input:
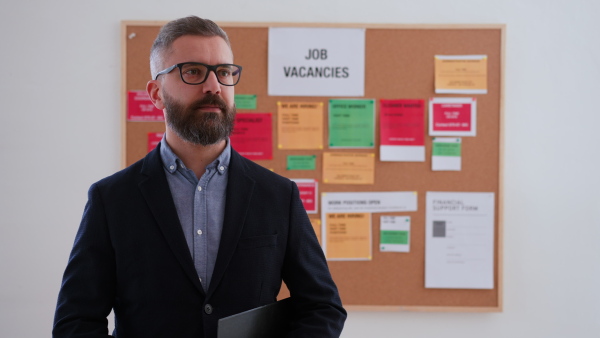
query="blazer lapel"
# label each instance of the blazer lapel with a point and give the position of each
(156, 191)
(238, 196)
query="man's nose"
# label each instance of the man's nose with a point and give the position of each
(212, 85)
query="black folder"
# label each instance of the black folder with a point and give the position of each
(269, 321)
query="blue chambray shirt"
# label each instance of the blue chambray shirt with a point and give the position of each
(200, 206)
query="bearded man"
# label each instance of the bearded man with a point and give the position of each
(193, 232)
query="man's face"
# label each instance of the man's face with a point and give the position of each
(201, 114)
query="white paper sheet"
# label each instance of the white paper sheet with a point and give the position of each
(446, 154)
(459, 243)
(316, 61)
(402, 153)
(388, 201)
(395, 234)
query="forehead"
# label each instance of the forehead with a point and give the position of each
(206, 49)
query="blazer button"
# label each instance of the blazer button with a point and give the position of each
(208, 309)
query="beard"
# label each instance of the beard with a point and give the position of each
(196, 127)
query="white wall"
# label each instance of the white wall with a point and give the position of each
(60, 132)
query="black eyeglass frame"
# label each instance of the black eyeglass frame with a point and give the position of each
(209, 67)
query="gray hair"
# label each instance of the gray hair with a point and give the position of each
(191, 25)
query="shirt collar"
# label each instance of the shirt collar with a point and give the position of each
(222, 162)
(171, 162)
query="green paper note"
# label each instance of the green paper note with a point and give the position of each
(244, 101)
(446, 148)
(352, 123)
(394, 234)
(299, 162)
(394, 237)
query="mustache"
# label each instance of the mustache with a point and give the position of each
(209, 100)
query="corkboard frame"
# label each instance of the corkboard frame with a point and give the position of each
(451, 300)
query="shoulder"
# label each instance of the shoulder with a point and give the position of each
(256, 171)
(265, 180)
(125, 175)
(130, 176)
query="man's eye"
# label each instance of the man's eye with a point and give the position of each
(224, 72)
(193, 71)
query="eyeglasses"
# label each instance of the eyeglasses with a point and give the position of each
(195, 73)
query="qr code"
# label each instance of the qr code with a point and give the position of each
(439, 228)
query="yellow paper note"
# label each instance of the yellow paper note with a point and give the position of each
(300, 125)
(461, 74)
(316, 223)
(349, 168)
(349, 236)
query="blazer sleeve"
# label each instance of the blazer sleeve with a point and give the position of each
(87, 292)
(315, 298)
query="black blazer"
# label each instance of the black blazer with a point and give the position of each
(130, 254)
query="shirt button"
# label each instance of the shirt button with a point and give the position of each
(199, 188)
(172, 167)
(208, 309)
(221, 168)
(199, 232)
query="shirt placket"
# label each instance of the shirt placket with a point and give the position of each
(201, 228)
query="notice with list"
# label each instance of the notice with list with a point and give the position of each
(348, 236)
(252, 136)
(141, 109)
(461, 74)
(153, 140)
(446, 154)
(395, 234)
(352, 123)
(452, 116)
(309, 193)
(300, 125)
(348, 168)
(402, 128)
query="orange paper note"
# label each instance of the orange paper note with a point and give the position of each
(349, 236)
(300, 125)
(349, 168)
(461, 74)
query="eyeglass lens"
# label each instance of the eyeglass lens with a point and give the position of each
(194, 73)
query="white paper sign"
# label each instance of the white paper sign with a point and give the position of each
(390, 201)
(402, 153)
(446, 154)
(395, 234)
(316, 61)
(459, 242)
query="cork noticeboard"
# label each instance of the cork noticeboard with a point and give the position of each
(387, 281)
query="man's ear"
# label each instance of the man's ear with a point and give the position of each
(153, 89)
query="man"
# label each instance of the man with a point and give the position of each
(193, 232)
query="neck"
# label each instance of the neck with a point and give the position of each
(195, 157)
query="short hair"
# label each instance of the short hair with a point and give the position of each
(191, 25)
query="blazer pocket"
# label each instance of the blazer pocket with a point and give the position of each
(257, 241)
